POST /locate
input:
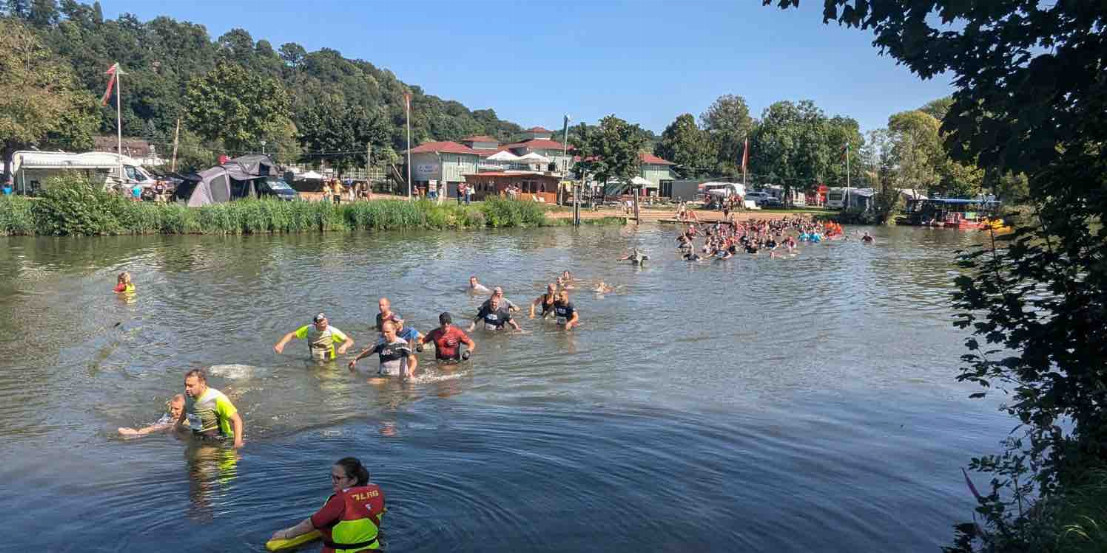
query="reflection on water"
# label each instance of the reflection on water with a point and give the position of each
(794, 404)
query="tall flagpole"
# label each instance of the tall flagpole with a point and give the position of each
(119, 119)
(847, 174)
(407, 106)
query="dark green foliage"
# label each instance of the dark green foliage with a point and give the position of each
(688, 146)
(1030, 99)
(162, 55)
(71, 206)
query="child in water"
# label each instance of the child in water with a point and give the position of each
(124, 284)
(168, 420)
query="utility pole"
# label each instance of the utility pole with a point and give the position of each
(176, 140)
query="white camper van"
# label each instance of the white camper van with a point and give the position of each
(31, 169)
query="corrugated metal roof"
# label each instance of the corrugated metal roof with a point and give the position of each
(64, 160)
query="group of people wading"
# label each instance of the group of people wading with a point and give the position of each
(350, 520)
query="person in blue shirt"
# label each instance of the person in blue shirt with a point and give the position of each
(407, 333)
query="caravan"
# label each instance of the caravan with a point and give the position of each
(31, 169)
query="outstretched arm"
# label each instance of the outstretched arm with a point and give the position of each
(279, 346)
(303, 527)
(346, 344)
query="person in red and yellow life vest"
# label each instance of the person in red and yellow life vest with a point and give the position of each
(350, 520)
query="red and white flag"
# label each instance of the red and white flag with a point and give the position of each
(407, 101)
(746, 155)
(111, 83)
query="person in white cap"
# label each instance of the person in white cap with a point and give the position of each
(321, 338)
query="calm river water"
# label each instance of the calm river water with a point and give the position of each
(802, 404)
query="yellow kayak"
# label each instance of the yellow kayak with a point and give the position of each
(283, 544)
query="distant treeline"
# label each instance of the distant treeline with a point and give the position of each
(336, 105)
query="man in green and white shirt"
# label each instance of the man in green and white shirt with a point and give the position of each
(208, 412)
(321, 338)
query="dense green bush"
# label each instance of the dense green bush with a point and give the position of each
(511, 213)
(16, 216)
(71, 206)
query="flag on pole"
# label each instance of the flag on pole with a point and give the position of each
(845, 152)
(567, 119)
(745, 155)
(407, 101)
(111, 83)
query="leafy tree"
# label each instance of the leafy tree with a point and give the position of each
(791, 145)
(938, 108)
(239, 108)
(728, 123)
(610, 150)
(292, 54)
(1030, 98)
(688, 146)
(916, 149)
(40, 102)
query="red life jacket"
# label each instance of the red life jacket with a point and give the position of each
(360, 524)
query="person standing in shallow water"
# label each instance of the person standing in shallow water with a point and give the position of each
(350, 521)
(208, 412)
(567, 315)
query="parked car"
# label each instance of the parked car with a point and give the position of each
(758, 198)
(276, 188)
(772, 202)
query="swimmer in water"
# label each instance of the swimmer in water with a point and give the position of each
(546, 301)
(563, 284)
(868, 239)
(567, 315)
(123, 283)
(476, 287)
(567, 276)
(166, 422)
(636, 257)
(603, 288)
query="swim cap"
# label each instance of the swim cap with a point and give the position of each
(320, 317)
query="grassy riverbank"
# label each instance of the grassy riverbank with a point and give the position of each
(71, 207)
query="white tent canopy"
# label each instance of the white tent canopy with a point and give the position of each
(639, 181)
(503, 156)
(534, 157)
(310, 175)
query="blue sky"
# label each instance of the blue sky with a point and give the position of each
(646, 61)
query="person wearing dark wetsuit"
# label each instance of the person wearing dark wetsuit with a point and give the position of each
(545, 301)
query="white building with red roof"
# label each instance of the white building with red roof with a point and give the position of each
(442, 162)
